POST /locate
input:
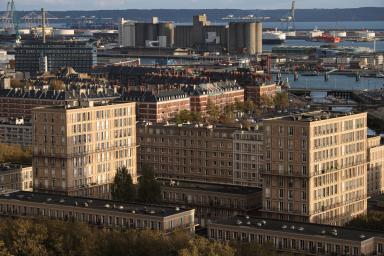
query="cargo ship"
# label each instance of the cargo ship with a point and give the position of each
(274, 37)
(327, 38)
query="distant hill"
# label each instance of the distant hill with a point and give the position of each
(216, 15)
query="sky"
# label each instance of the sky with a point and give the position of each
(185, 4)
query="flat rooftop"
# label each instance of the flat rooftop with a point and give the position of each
(91, 203)
(311, 116)
(210, 187)
(6, 167)
(85, 104)
(300, 228)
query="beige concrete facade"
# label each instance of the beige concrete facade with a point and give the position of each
(77, 149)
(248, 156)
(375, 166)
(15, 177)
(190, 152)
(315, 167)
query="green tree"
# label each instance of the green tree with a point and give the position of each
(249, 106)
(200, 246)
(3, 250)
(213, 112)
(281, 100)
(373, 220)
(183, 116)
(15, 154)
(17, 84)
(148, 187)
(266, 102)
(57, 84)
(122, 188)
(25, 238)
(252, 249)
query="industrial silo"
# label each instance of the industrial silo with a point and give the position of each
(259, 38)
(250, 37)
(240, 44)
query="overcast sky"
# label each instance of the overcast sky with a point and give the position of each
(185, 4)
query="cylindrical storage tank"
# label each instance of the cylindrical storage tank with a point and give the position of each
(240, 44)
(232, 37)
(150, 32)
(140, 34)
(259, 38)
(167, 30)
(250, 35)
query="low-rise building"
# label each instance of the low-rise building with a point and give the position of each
(15, 177)
(97, 212)
(219, 94)
(210, 200)
(375, 166)
(298, 238)
(16, 131)
(257, 92)
(158, 107)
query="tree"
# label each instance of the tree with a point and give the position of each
(281, 100)
(148, 187)
(122, 187)
(3, 250)
(213, 112)
(251, 249)
(200, 246)
(266, 101)
(183, 116)
(57, 85)
(15, 154)
(373, 220)
(16, 84)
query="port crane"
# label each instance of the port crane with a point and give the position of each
(289, 19)
(8, 18)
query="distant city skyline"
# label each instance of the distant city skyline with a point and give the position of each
(58, 5)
